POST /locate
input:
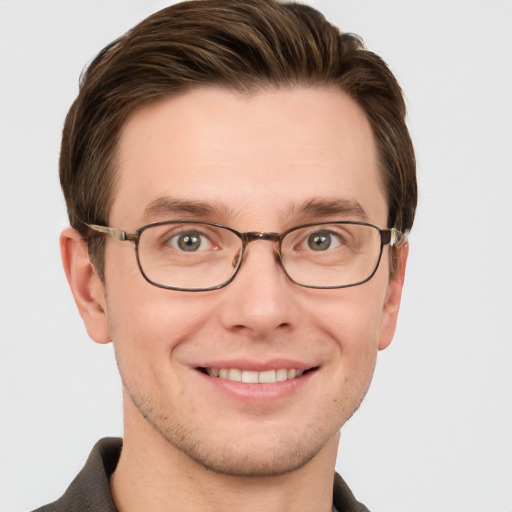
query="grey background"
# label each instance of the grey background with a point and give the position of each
(435, 431)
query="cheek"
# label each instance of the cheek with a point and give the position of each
(141, 315)
(148, 321)
(149, 336)
(352, 316)
(352, 322)
(150, 326)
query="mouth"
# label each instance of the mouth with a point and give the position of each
(255, 377)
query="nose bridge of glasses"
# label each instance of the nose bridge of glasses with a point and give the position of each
(253, 236)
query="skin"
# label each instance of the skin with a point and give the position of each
(193, 442)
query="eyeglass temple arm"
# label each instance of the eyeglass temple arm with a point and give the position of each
(118, 234)
(392, 237)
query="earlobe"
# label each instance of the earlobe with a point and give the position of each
(393, 298)
(86, 287)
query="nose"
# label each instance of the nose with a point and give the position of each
(261, 300)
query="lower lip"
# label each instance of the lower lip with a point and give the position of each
(257, 393)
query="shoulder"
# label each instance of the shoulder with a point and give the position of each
(90, 490)
(343, 498)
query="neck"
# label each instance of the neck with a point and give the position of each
(153, 475)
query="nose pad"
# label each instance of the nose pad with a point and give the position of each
(240, 254)
(277, 256)
(237, 258)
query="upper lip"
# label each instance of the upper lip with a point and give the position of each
(258, 366)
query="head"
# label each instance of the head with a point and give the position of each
(245, 47)
(261, 116)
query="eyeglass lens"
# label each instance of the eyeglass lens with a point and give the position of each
(198, 256)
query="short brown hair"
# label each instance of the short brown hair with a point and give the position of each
(242, 45)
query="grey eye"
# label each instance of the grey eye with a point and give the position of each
(190, 241)
(320, 240)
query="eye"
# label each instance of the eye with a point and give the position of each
(190, 241)
(323, 240)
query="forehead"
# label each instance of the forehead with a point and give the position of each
(247, 156)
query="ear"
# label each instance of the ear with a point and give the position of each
(86, 287)
(393, 298)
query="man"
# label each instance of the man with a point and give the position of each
(258, 161)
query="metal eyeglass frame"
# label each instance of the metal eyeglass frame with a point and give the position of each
(387, 236)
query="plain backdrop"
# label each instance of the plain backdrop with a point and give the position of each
(435, 431)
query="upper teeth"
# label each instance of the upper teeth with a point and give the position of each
(253, 377)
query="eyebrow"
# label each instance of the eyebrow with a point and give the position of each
(329, 207)
(166, 206)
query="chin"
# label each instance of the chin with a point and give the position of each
(251, 459)
(254, 450)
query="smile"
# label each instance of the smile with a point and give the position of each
(254, 377)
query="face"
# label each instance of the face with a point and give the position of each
(252, 163)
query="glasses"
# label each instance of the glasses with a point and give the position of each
(200, 256)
